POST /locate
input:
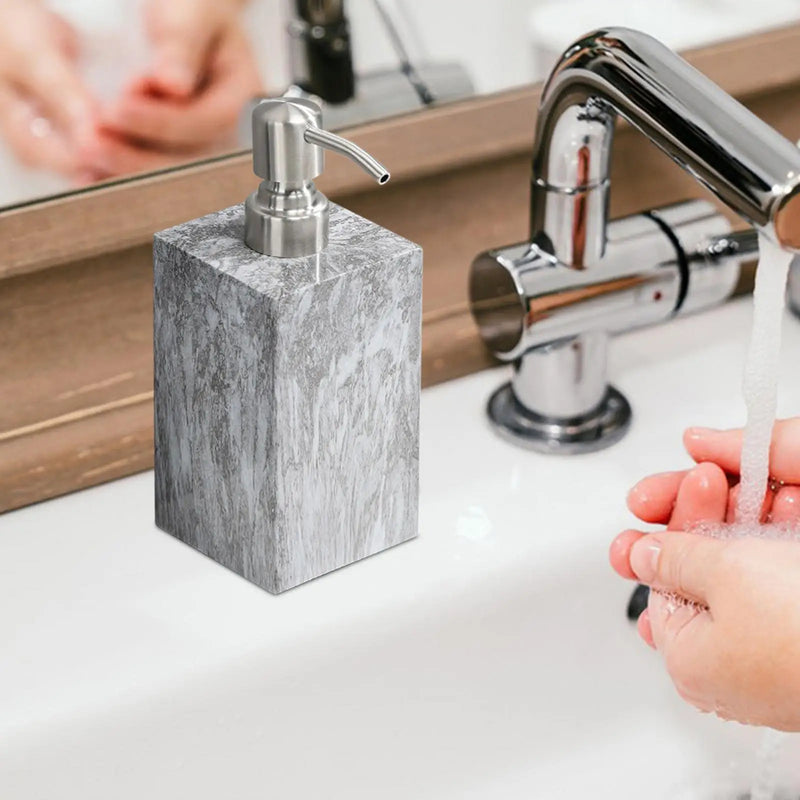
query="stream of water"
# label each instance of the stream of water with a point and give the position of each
(760, 389)
(760, 385)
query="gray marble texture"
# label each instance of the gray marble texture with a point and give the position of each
(287, 396)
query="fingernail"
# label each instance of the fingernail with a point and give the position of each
(644, 558)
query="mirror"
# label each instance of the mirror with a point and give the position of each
(96, 90)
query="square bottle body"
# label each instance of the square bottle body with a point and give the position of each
(287, 397)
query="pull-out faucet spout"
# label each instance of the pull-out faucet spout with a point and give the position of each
(746, 163)
(550, 303)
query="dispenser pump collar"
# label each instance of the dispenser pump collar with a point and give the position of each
(287, 216)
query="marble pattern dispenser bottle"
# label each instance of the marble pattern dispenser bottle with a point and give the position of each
(287, 370)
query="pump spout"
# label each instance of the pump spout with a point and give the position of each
(287, 216)
(330, 141)
(745, 162)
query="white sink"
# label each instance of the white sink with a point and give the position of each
(490, 658)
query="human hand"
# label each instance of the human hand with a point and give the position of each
(653, 498)
(183, 108)
(183, 34)
(734, 648)
(46, 113)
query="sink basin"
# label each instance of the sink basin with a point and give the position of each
(489, 658)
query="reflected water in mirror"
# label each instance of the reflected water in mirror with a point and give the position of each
(97, 90)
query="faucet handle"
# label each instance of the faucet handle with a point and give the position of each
(553, 321)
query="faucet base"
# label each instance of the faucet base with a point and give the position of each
(596, 430)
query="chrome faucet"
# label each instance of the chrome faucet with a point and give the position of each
(551, 303)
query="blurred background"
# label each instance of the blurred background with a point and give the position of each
(97, 90)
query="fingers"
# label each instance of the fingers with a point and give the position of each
(169, 124)
(205, 119)
(733, 506)
(180, 60)
(724, 448)
(55, 83)
(679, 563)
(786, 505)
(113, 156)
(682, 499)
(785, 451)
(51, 78)
(620, 553)
(38, 67)
(653, 498)
(645, 628)
(683, 633)
(65, 36)
(702, 497)
(667, 617)
(32, 138)
(183, 32)
(733, 502)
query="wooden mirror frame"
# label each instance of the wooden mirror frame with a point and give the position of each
(75, 271)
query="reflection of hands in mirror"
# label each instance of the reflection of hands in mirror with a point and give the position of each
(46, 113)
(183, 105)
(188, 101)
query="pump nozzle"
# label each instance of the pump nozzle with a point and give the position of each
(330, 141)
(287, 216)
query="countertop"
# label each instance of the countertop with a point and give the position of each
(128, 660)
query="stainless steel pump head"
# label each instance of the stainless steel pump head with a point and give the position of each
(287, 216)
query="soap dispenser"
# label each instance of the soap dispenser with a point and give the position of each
(287, 338)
